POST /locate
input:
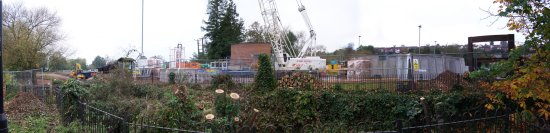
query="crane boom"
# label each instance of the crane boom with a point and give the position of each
(307, 50)
(275, 33)
(286, 58)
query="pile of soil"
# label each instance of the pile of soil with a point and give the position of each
(443, 81)
(26, 104)
(300, 80)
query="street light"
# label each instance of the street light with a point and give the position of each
(435, 46)
(3, 119)
(419, 27)
(359, 41)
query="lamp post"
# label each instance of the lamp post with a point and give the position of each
(435, 46)
(3, 118)
(419, 27)
(141, 55)
(359, 41)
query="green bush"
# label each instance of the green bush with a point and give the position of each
(11, 86)
(72, 93)
(180, 113)
(225, 106)
(337, 87)
(172, 78)
(223, 81)
(265, 79)
(348, 109)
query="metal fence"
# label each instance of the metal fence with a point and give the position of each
(392, 82)
(94, 119)
(97, 120)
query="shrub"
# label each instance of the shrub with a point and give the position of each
(11, 86)
(172, 78)
(72, 93)
(181, 113)
(223, 81)
(337, 87)
(225, 106)
(265, 79)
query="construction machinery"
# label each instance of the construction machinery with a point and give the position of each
(78, 73)
(291, 59)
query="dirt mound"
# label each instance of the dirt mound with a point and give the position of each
(25, 104)
(443, 81)
(301, 80)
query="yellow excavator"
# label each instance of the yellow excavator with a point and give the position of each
(79, 74)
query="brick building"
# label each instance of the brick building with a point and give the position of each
(245, 55)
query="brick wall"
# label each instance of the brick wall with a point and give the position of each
(244, 55)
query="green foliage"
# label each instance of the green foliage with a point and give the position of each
(265, 79)
(181, 113)
(81, 61)
(98, 62)
(337, 87)
(28, 36)
(324, 107)
(43, 124)
(255, 33)
(72, 92)
(223, 81)
(58, 62)
(11, 86)
(31, 124)
(225, 106)
(57, 82)
(223, 28)
(366, 49)
(172, 78)
(526, 81)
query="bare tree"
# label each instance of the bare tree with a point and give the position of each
(29, 36)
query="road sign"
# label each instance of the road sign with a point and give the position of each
(416, 64)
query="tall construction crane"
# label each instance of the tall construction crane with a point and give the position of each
(308, 49)
(304, 59)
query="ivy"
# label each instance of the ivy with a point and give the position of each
(72, 93)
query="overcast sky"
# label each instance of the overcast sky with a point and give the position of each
(107, 27)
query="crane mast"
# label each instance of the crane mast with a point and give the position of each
(274, 32)
(290, 59)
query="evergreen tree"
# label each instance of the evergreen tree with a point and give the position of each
(98, 62)
(223, 28)
(265, 79)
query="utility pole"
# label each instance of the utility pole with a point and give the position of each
(198, 49)
(142, 7)
(419, 27)
(3, 118)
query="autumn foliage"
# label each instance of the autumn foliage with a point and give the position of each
(525, 82)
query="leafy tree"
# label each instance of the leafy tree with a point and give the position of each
(223, 28)
(265, 80)
(81, 61)
(58, 62)
(29, 36)
(98, 62)
(425, 49)
(292, 44)
(526, 75)
(366, 49)
(453, 49)
(255, 33)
